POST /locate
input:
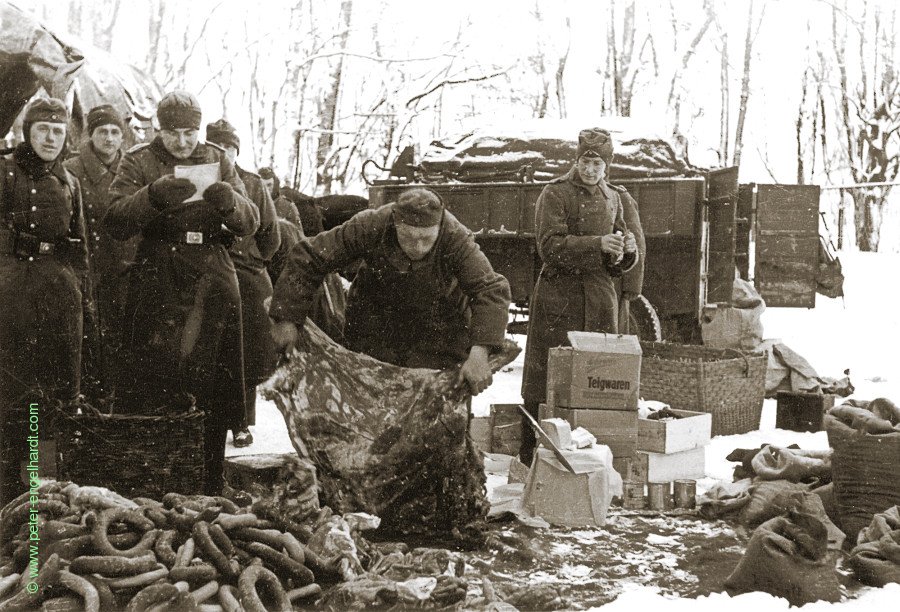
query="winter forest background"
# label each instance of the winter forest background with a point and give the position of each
(794, 91)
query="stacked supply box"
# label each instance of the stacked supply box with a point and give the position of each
(595, 384)
(673, 448)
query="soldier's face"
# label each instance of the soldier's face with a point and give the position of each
(269, 184)
(417, 242)
(591, 169)
(107, 139)
(230, 153)
(47, 139)
(180, 142)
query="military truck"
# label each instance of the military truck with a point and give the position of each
(699, 224)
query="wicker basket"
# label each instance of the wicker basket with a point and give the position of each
(726, 383)
(134, 455)
(864, 471)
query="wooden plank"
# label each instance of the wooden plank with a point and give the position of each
(787, 244)
(617, 429)
(691, 431)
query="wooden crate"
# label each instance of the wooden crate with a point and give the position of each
(480, 432)
(691, 431)
(617, 429)
(506, 428)
(247, 472)
(661, 467)
(802, 411)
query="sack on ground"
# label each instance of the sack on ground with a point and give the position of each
(787, 557)
(876, 559)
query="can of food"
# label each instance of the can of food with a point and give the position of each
(685, 494)
(660, 495)
(633, 497)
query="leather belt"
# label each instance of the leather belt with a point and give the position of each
(25, 245)
(188, 237)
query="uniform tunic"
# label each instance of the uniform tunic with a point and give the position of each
(574, 290)
(250, 254)
(426, 313)
(40, 300)
(183, 312)
(109, 259)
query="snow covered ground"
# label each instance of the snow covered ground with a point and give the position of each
(860, 333)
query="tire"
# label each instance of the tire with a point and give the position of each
(643, 321)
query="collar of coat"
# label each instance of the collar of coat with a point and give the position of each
(35, 167)
(94, 167)
(573, 177)
(162, 153)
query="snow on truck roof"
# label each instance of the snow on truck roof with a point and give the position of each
(499, 152)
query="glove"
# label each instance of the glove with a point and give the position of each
(169, 191)
(220, 195)
(630, 243)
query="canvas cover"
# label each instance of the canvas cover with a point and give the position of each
(34, 59)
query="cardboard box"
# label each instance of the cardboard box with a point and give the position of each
(691, 431)
(599, 371)
(661, 467)
(571, 500)
(506, 428)
(617, 429)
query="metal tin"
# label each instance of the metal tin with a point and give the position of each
(633, 497)
(660, 495)
(685, 494)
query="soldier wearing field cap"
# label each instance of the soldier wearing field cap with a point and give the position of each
(584, 244)
(95, 167)
(43, 268)
(250, 255)
(183, 312)
(425, 295)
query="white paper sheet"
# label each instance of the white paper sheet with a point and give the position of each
(202, 176)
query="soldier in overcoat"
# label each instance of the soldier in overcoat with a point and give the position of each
(425, 296)
(43, 266)
(95, 167)
(183, 313)
(250, 255)
(584, 243)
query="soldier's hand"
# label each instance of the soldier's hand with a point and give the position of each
(169, 191)
(630, 243)
(221, 195)
(476, 371)
(630, 295)
(612, 244)
(285, 336)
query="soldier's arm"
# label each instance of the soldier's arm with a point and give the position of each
(268, 237)
(633, 279)
(129, 208)
(244, 219)
(555, 245)
(78, 232)
(629, 260)
(312, 258)
(488, 291)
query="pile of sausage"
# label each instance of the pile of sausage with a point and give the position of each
(95, 551)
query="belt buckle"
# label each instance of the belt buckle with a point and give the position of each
(45, 248)
(194, 237)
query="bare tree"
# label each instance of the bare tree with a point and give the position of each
(745, 81)
(870, 114)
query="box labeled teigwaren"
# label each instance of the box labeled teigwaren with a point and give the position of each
(599, 371)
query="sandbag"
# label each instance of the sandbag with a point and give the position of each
(876, 559)
(787, 557)
(386, 440)
(795, 465)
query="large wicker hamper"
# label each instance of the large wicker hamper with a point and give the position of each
(134, 455)
(726, 383)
